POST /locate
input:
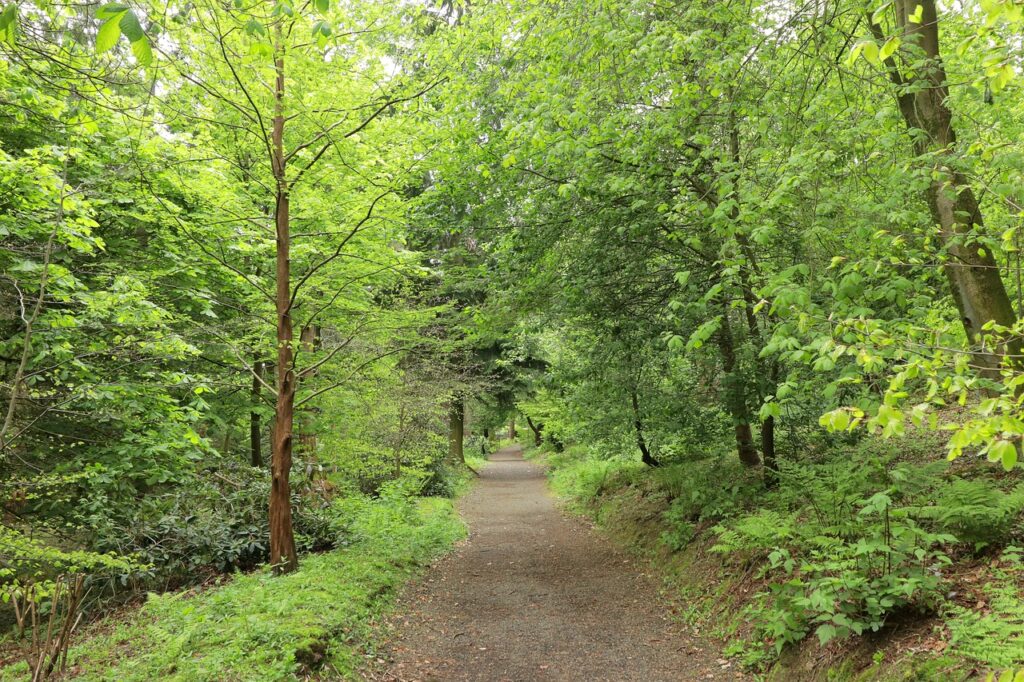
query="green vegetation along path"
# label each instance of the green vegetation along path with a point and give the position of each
(533, 595)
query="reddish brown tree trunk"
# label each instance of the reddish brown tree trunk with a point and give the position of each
(282, 538)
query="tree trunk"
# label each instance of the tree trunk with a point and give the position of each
(768, 369)
(537, 429)
(456, 430)
(771, 468)
(512, 428)
(972, 272)
(255, 430)
(282, 538)
(736, 396)
(638, 425)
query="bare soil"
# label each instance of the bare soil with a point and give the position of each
(536, 595)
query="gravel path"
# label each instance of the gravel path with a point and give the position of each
(534, 595)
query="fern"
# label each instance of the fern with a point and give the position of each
(995, 638)
(974, 511)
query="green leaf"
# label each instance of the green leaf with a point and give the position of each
(826, 632)
(9, 24)
(143, 51)
(130, 27)
(255, 28)
(890, 47)
(1003, 451)
(855, 52)
(108, 34)
(878, 14)
(770, 409)
(322, 5)
(871, 52)
(111, 10)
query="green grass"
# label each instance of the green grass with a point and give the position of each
(258, 627)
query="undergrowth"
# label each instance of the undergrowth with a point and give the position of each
(851, 538)
(259, 627)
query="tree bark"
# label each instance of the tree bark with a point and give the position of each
(736, 397)
(537, 429)
(282, 538)
(638, 425)
(973, 274)
(771, 467)
(456, 430)
(512, 428)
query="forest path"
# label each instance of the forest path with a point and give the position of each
(534, 595)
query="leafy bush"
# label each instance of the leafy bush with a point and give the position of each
(709, 489)
(442, 480)
(842, 588)
(848, 537)
(845, 545)
(186, 532)
(584, 479)
(215, 526)
(679, 529)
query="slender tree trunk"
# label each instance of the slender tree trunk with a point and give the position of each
(538, 437)
(638, 425)
(733, 382)
(512, 428)
(972, 272)
(26, 344)
(456, 430)
(771, 468)
(255, 429)
(282, 538)
(736, 397)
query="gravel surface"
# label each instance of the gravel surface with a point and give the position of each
(535, 595)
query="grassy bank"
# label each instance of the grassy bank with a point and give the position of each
(873, 561)
(316, 622)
